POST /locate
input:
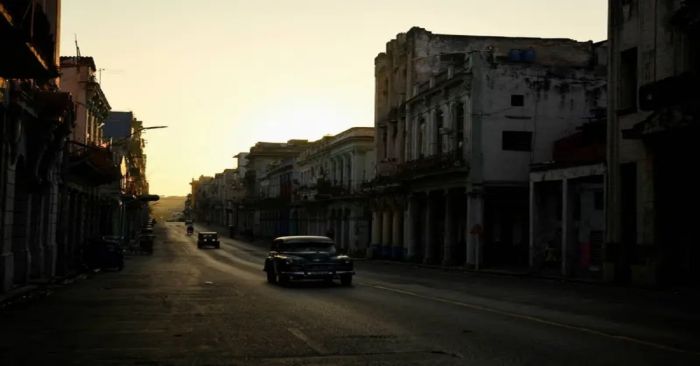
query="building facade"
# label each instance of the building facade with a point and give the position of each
(36, 118)
(328, 190)
(459, 120)
(653, 124)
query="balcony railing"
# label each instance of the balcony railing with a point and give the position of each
(432, 164)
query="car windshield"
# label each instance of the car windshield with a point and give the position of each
(307, 247)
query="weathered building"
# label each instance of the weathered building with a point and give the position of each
(328, 196)
(202, 198)
(567, 220)
(122, 134)
(260, 159)
(459, 120)
(652, 130)
(89, 208)
(35, 120)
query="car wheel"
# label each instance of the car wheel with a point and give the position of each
(346, 280)
(218, 246)
(283, 280)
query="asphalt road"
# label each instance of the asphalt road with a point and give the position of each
(185, 306)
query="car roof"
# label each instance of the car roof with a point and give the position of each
(305, 238)
(208, 233)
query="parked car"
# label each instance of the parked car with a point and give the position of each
(208, 239)
(104, 253)
(307, 257)
(146, 240)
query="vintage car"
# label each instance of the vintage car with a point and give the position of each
(208, 239)
(307, 257)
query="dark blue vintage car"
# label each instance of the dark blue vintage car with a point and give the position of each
(307, 257)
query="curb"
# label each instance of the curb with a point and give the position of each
(491, 272)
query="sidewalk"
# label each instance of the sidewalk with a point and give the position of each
(37, 289)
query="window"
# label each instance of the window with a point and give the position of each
(517, 140)
(517, 100)
(627, 88)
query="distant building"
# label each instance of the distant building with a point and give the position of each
(328, 192)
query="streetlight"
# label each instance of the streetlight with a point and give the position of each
(122, 139)
(145, 128)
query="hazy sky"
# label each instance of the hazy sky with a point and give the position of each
(223, 74)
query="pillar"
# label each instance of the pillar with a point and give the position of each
(376, 233)
(396, 242)
(408, 229)
(386, 232)
(35, 241)
(475, 224)
(531, 224)
(449, 238)
(7, 184)
(429, 240)
(565, 224)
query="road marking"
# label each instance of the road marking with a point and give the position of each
(537, 320)
(317, 347)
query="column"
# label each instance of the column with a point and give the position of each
(36, 242)
(357, 167)
(386, 232)
(21, 235)
(397, 245)
(449, 239)
(429, 240)
(408, 229)
(531, 224)
(565, 221)
(376, 233)
(7, 184)
(475, 216)
(352, 231)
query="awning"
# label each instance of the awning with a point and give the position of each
(665, 120)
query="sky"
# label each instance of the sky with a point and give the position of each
(224, 74)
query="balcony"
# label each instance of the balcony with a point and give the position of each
(92, 165)
(452, 161)
(29, 47)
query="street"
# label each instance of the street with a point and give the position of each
(184, 306)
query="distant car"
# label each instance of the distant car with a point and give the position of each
(208, 239)
(307, 257)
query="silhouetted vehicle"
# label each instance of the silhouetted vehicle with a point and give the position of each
(104, 253)
(307, 257)
(208, 239)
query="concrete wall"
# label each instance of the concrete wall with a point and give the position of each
(553, 107)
